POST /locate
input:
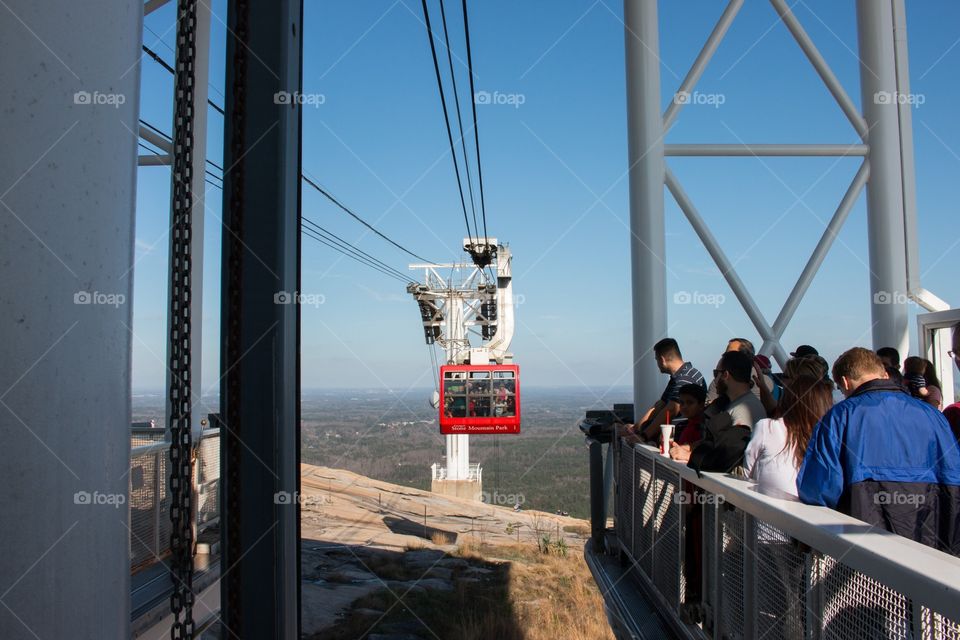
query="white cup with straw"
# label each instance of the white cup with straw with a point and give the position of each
(666, 434)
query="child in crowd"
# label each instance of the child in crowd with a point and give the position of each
(920, 378)
(692, 398)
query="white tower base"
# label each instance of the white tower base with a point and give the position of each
(468, 488)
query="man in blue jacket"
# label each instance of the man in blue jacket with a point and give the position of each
(884, 457)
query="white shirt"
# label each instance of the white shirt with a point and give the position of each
(768, 461)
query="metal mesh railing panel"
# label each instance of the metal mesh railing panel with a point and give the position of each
(732, 556)
(710, 558)
(938, 627)
(753, 579)
(644, 512)
(147, 436)
(667, 567)
(150, 499)
(857, 606)
(143, 505)
(166, 500)
(208, 480)
(781, 585)
(625, 497)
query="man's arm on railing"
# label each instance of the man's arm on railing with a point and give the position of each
(651, 427)
(633, 433)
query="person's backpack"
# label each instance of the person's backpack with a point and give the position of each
(722, 446)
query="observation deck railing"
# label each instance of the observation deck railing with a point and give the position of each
(149, 493)
(771, 567)
(438, 471)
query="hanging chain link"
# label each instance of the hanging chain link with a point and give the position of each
(233, 432)
(181, 443)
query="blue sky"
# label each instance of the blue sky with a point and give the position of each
(555, 184)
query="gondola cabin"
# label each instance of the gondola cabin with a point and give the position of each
(479, 399)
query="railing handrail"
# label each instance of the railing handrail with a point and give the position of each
(149, 449)
(153, 447)
(926, 575)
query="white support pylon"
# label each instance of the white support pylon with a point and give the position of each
(449, 307)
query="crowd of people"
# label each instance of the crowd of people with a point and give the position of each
(886, 453)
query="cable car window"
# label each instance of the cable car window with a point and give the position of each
(479, 387)
(480, 399)
(511, 409)
(455, 406)
(478, 391)
(479, 406)
(501, 399)
(455, 394)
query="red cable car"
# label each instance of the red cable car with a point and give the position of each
(479, 398)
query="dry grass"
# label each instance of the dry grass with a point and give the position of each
(520, 593)
(551, 595)
(581, 530)
(441, 538)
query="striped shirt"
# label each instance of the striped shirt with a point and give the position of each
(686, 374)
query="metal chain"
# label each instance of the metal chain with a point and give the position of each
(233, 432)
(181, 443)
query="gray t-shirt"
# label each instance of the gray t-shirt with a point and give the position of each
(712, 392)
(746, 410)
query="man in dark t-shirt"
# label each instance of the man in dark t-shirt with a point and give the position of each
(671, 362)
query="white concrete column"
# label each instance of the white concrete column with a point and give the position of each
(646, 163)
(885, 219)
(69, 94)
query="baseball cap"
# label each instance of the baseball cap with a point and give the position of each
(804, 350)
(762, 361)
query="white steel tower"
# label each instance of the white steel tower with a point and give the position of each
(474, 299)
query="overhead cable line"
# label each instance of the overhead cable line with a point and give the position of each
(312, 183)
(173, 51)
(446, 116)
(314, 230)
(157, 153)
(329, 235)
(170, 140)
(307, 232)
(456, 99)
(163, 63)
(155, 130)
(369, 226)
(156, 57)
(473, 104)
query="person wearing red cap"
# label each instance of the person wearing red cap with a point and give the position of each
(761, 376)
